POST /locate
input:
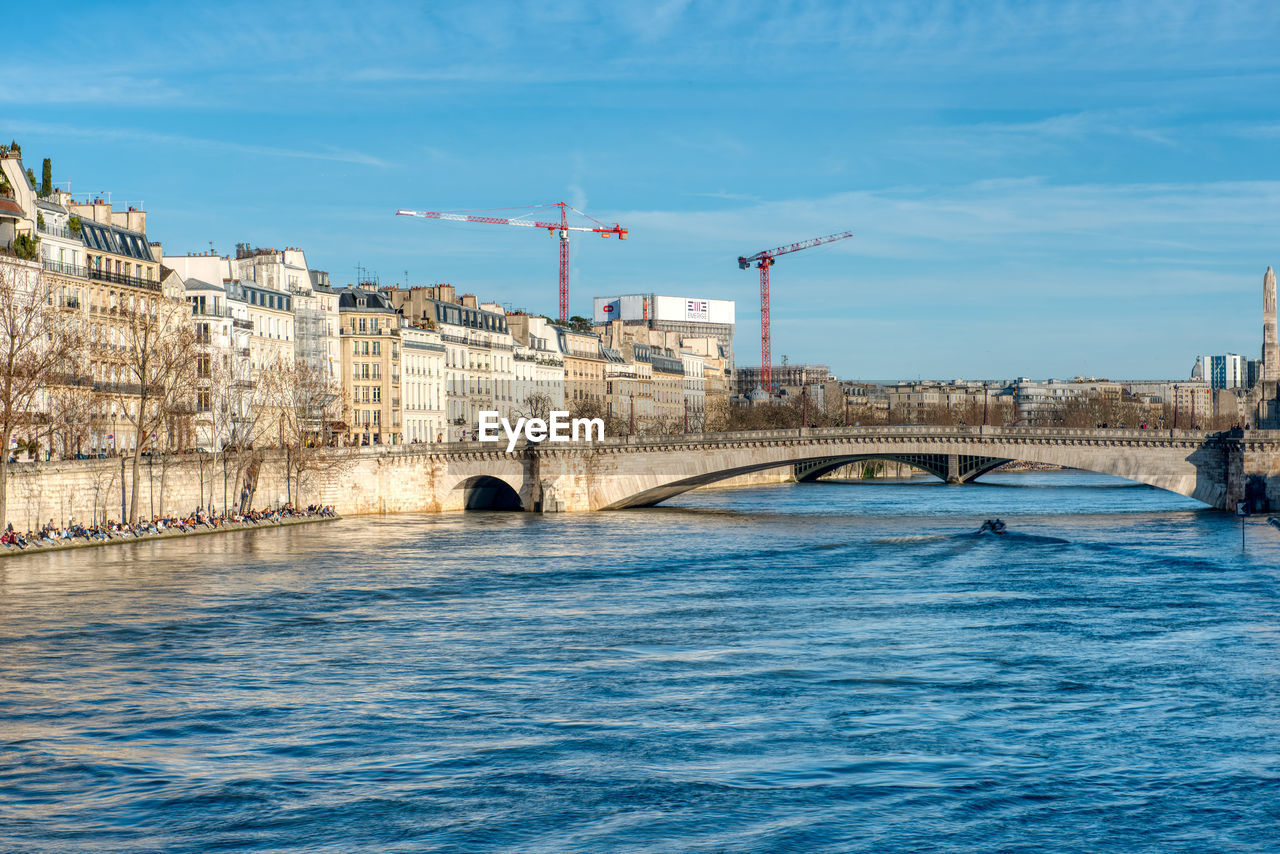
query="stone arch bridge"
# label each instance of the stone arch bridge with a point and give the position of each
(1218, 469)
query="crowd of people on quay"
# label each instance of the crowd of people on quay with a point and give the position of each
(54, 535)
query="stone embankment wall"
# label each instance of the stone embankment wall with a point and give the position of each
(90, 489)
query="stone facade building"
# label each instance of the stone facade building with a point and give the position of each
(422, 387)
(371, 355)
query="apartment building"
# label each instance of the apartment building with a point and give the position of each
(479, 351)
(628, 388)
(314, 305)
(584, 379)
(370, 350)
(538, 362)
(422, 384)
(226, 389)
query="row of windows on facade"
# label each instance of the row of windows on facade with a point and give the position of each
(135, 302)
(370, 324)
(373, 418)
(280, 302)
(416, 399)
(422, 367)
(372, 348)
(125, 268)
(454, 358)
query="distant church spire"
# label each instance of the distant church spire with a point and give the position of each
(1270, 349)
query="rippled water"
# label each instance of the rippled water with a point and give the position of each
(840, 667)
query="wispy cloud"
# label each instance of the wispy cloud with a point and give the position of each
(30, 85)
(118, 134)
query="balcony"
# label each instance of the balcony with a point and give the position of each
(64, 268)
(242, 324)
(121, 279)
(56, 231)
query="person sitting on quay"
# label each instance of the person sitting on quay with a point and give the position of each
(51, 535)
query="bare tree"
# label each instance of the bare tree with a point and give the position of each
(309, 404)
(159, 371)
(588, 408)
(75, 409)
(34, 342)
(536, 405)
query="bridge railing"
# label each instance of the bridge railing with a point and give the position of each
(891, 431)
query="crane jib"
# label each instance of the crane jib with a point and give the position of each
(559, 229)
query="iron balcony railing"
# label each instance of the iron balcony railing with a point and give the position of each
(242, 324)
(58, 231)
(197, 311)
(64, 268)
(122, 279)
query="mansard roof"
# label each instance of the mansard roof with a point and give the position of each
(100, 237)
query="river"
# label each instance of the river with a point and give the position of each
(827, 667)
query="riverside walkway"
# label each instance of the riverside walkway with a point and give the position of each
(36, 545)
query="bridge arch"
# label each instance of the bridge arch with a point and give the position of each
(1184, 464)
(484, 492)
(946, 467)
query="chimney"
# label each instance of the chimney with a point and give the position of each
(445, 293)
(137, 220)
(469, 300)
(1270, 350)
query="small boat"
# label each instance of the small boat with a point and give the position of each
(1274, 520)
(992, 526)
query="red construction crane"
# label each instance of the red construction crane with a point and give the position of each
(560, 229)
(765, 261)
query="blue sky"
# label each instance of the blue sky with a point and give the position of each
(1041, 189)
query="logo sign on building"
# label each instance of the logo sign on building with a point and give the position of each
(697, 309)
(608, 309)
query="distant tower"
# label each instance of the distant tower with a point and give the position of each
(1270, 349)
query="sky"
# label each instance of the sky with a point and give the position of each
(1043, 189)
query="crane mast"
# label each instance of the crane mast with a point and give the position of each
(763, 261)
(559, 229)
